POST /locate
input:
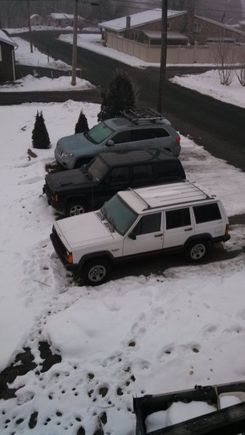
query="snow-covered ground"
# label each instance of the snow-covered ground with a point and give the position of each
(208, 83)
(24, 56)
(130, 336)
(30, 83)
(14, 31)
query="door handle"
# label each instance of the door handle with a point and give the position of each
(188, 229)
(158, 235)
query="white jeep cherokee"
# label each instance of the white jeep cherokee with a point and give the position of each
(170, 217)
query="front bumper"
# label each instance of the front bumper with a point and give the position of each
(61, 250)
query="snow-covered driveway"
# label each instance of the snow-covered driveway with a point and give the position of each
(128, 337)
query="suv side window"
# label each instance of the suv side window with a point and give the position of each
(178, 218)
(123, 136)
(159, 132)
(118, 175)
(148, 224)
(143, 134)
(148, 133)
(207, 213)
(142, 172)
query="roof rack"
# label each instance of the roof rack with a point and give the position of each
(139, 197)
(142, 114)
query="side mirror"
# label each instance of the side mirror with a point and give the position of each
(132, 236)
(110, 143)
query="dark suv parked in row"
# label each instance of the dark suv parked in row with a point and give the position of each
(87, 188)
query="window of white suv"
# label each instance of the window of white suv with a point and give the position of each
(207, 213)
(148, 224)
(119, 214)
(178, 218)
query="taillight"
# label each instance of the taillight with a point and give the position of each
(227, 229)
(178, 139)
(69, 258)
(55, 197)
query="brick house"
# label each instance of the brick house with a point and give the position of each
(7, 58)
(140, 35)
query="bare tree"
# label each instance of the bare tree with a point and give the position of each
(240, 73)
(224, 57)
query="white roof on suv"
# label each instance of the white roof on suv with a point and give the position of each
(164, 195)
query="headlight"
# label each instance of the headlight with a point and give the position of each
(66, 155)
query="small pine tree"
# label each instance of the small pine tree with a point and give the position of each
(40, 137)
(82, 124)
(119, 97)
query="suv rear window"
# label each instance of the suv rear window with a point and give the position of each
(207, 213)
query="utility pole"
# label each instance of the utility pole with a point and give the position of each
(74, 47)
(29, 24)
(190, 20)
(163, 58)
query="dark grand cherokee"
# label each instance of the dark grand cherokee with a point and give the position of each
(87, 188)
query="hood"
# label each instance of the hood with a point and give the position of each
(82, 230)
(68, 179)
(74, 144)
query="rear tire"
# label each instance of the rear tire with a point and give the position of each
(75, 208)
(197, 251)
(96, 271)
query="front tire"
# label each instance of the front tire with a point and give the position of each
(96, 271)
(197, 251)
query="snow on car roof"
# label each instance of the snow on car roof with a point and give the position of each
(138, 19)
(163, 195)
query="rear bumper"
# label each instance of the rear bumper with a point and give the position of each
(61, 250)
(224, 238)
(59, 206)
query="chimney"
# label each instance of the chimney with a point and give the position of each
(128, 22)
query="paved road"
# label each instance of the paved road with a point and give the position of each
(215, 125)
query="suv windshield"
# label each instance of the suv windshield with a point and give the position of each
(99, 133)
(97, 169)
(118, 213)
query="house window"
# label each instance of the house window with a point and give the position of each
(197, 27)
